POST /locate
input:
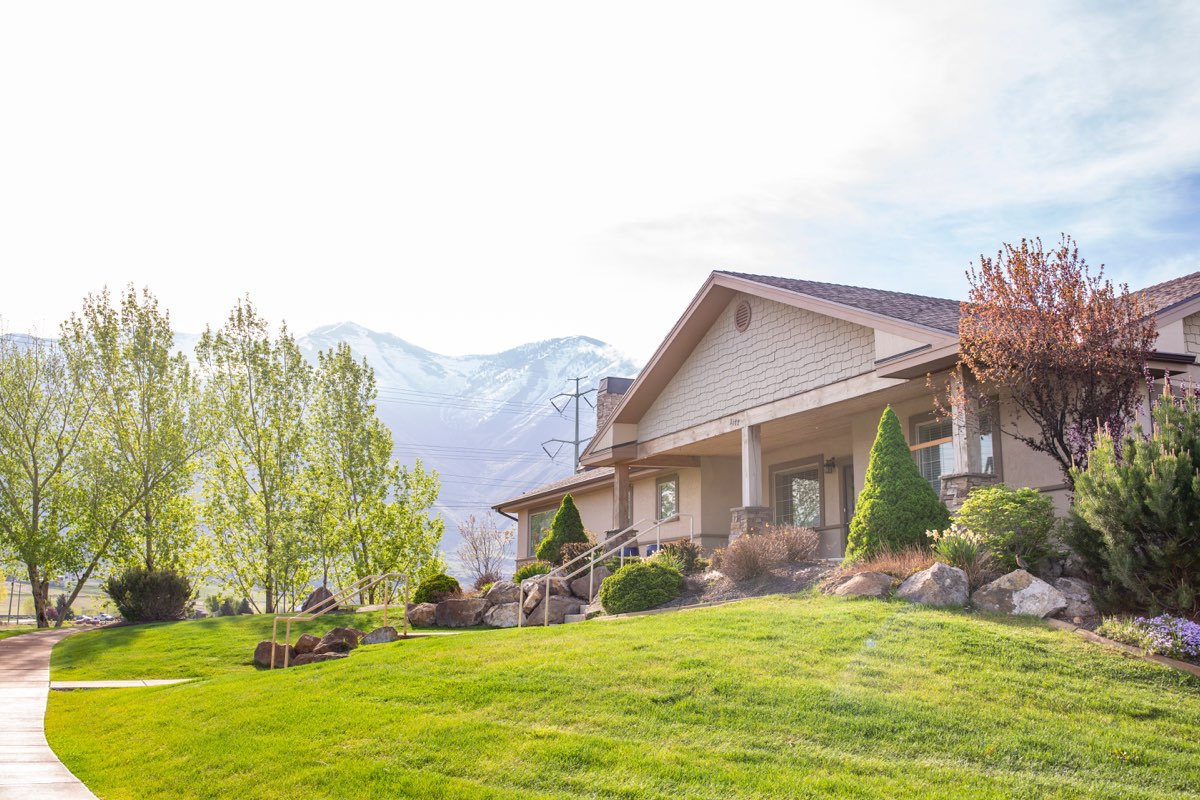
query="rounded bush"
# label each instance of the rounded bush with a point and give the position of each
(531, 569)
(436, 588)
(150, 595)
(1013, 523)
(638, 587)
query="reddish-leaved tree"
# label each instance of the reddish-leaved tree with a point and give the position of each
(1067, 346)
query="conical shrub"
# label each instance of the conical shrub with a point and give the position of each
(567, 527)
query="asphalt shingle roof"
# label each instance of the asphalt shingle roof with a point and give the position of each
(566, 483)
(932, 312)
(1173, 292)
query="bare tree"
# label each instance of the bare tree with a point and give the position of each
(484, 548)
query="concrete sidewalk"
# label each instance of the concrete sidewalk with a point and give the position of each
(28, 767)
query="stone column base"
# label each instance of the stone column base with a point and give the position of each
(957, 486)
(748, 519)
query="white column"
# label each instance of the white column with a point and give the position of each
(752, 495)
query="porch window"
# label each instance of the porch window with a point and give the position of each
(668, 496)
(539, 526)
(934, 450)
(798, 497)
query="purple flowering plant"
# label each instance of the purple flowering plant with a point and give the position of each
(1174, 637)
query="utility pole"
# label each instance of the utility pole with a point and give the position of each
(566, 398)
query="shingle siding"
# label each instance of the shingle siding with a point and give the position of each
(1191, 333)
(784, 352)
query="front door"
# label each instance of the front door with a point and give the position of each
(849, 498)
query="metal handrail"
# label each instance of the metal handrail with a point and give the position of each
(330, 603)
(590, 566)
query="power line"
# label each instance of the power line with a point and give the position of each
(567, 398)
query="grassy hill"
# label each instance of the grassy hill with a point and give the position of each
(775, 697)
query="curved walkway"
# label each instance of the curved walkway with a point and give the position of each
(28, 767)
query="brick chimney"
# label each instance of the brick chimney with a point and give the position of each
(608, 397)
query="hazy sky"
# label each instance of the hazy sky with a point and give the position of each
(470, 176)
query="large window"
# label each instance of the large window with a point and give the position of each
(539, 526)
(798, 496)
(667, 491)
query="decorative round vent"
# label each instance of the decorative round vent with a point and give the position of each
(741, 317)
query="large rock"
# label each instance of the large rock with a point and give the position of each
(503, 615)
(461, 612)
(502, 592)
(262, 654)
(579, 586)
(316, 658)
(380, 636)
(560, 607)
(1078, 595)
(317, 596)
(422, 615)
(865, 584)
(940, 585)
(307, 643)
(338, 640)
(1018, 592)
(557, 585)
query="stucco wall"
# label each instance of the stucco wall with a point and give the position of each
(595, 509)
(645, 501)
(785, 351)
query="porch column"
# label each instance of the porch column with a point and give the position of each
(967, 471)
(622, 513)
(752, 516)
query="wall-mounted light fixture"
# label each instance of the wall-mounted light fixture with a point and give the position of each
(830, 465)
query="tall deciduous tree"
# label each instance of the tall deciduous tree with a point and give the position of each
(1068, 347)
(139, 455)
(258, 388)
(44, 411)
(484, 548)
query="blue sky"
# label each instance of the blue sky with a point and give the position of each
(474, 176)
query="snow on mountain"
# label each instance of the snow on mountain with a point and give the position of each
(479, 420)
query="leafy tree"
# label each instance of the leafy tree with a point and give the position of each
(139, 453)
(258, 390)
(44, 412)
(566, 527)
(896, 505)
(1068, 347)
(1139, 500)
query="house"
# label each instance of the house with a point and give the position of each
(762, 404)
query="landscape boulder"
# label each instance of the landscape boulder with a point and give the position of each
(307, 643)
(317, 596)
(422, 615)
(1018, 592)
(381, 635)
(1078, 594)
(579, 586)
(315, 658)
(338, 640)
(503, 615)
(559, 608)
(461, 612)
(557, 585)
(939, 585)
(262, 654)
(865, 584)
(502, 592)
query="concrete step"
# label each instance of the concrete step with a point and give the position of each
(574, 618)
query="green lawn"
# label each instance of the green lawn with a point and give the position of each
(15, 630)
(192, 649)
(770, 698)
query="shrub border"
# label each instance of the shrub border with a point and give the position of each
(1137, 652)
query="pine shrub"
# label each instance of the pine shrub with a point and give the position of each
(1137, 503)
(150, 595)
(436, 588)
(531, 569)
(896, 505)
(639, 587)
(567, 527)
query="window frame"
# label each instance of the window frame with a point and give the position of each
(915, 422)
(815, 462)
(659, 482)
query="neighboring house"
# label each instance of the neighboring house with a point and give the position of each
(762, 404)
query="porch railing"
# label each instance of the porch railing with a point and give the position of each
(589, 556)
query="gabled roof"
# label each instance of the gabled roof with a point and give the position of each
(931, 312)
(589, 476)
(1169, 294)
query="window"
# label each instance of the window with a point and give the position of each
(539, 526)
(934, 449)
(798, 497)
(668, 496)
